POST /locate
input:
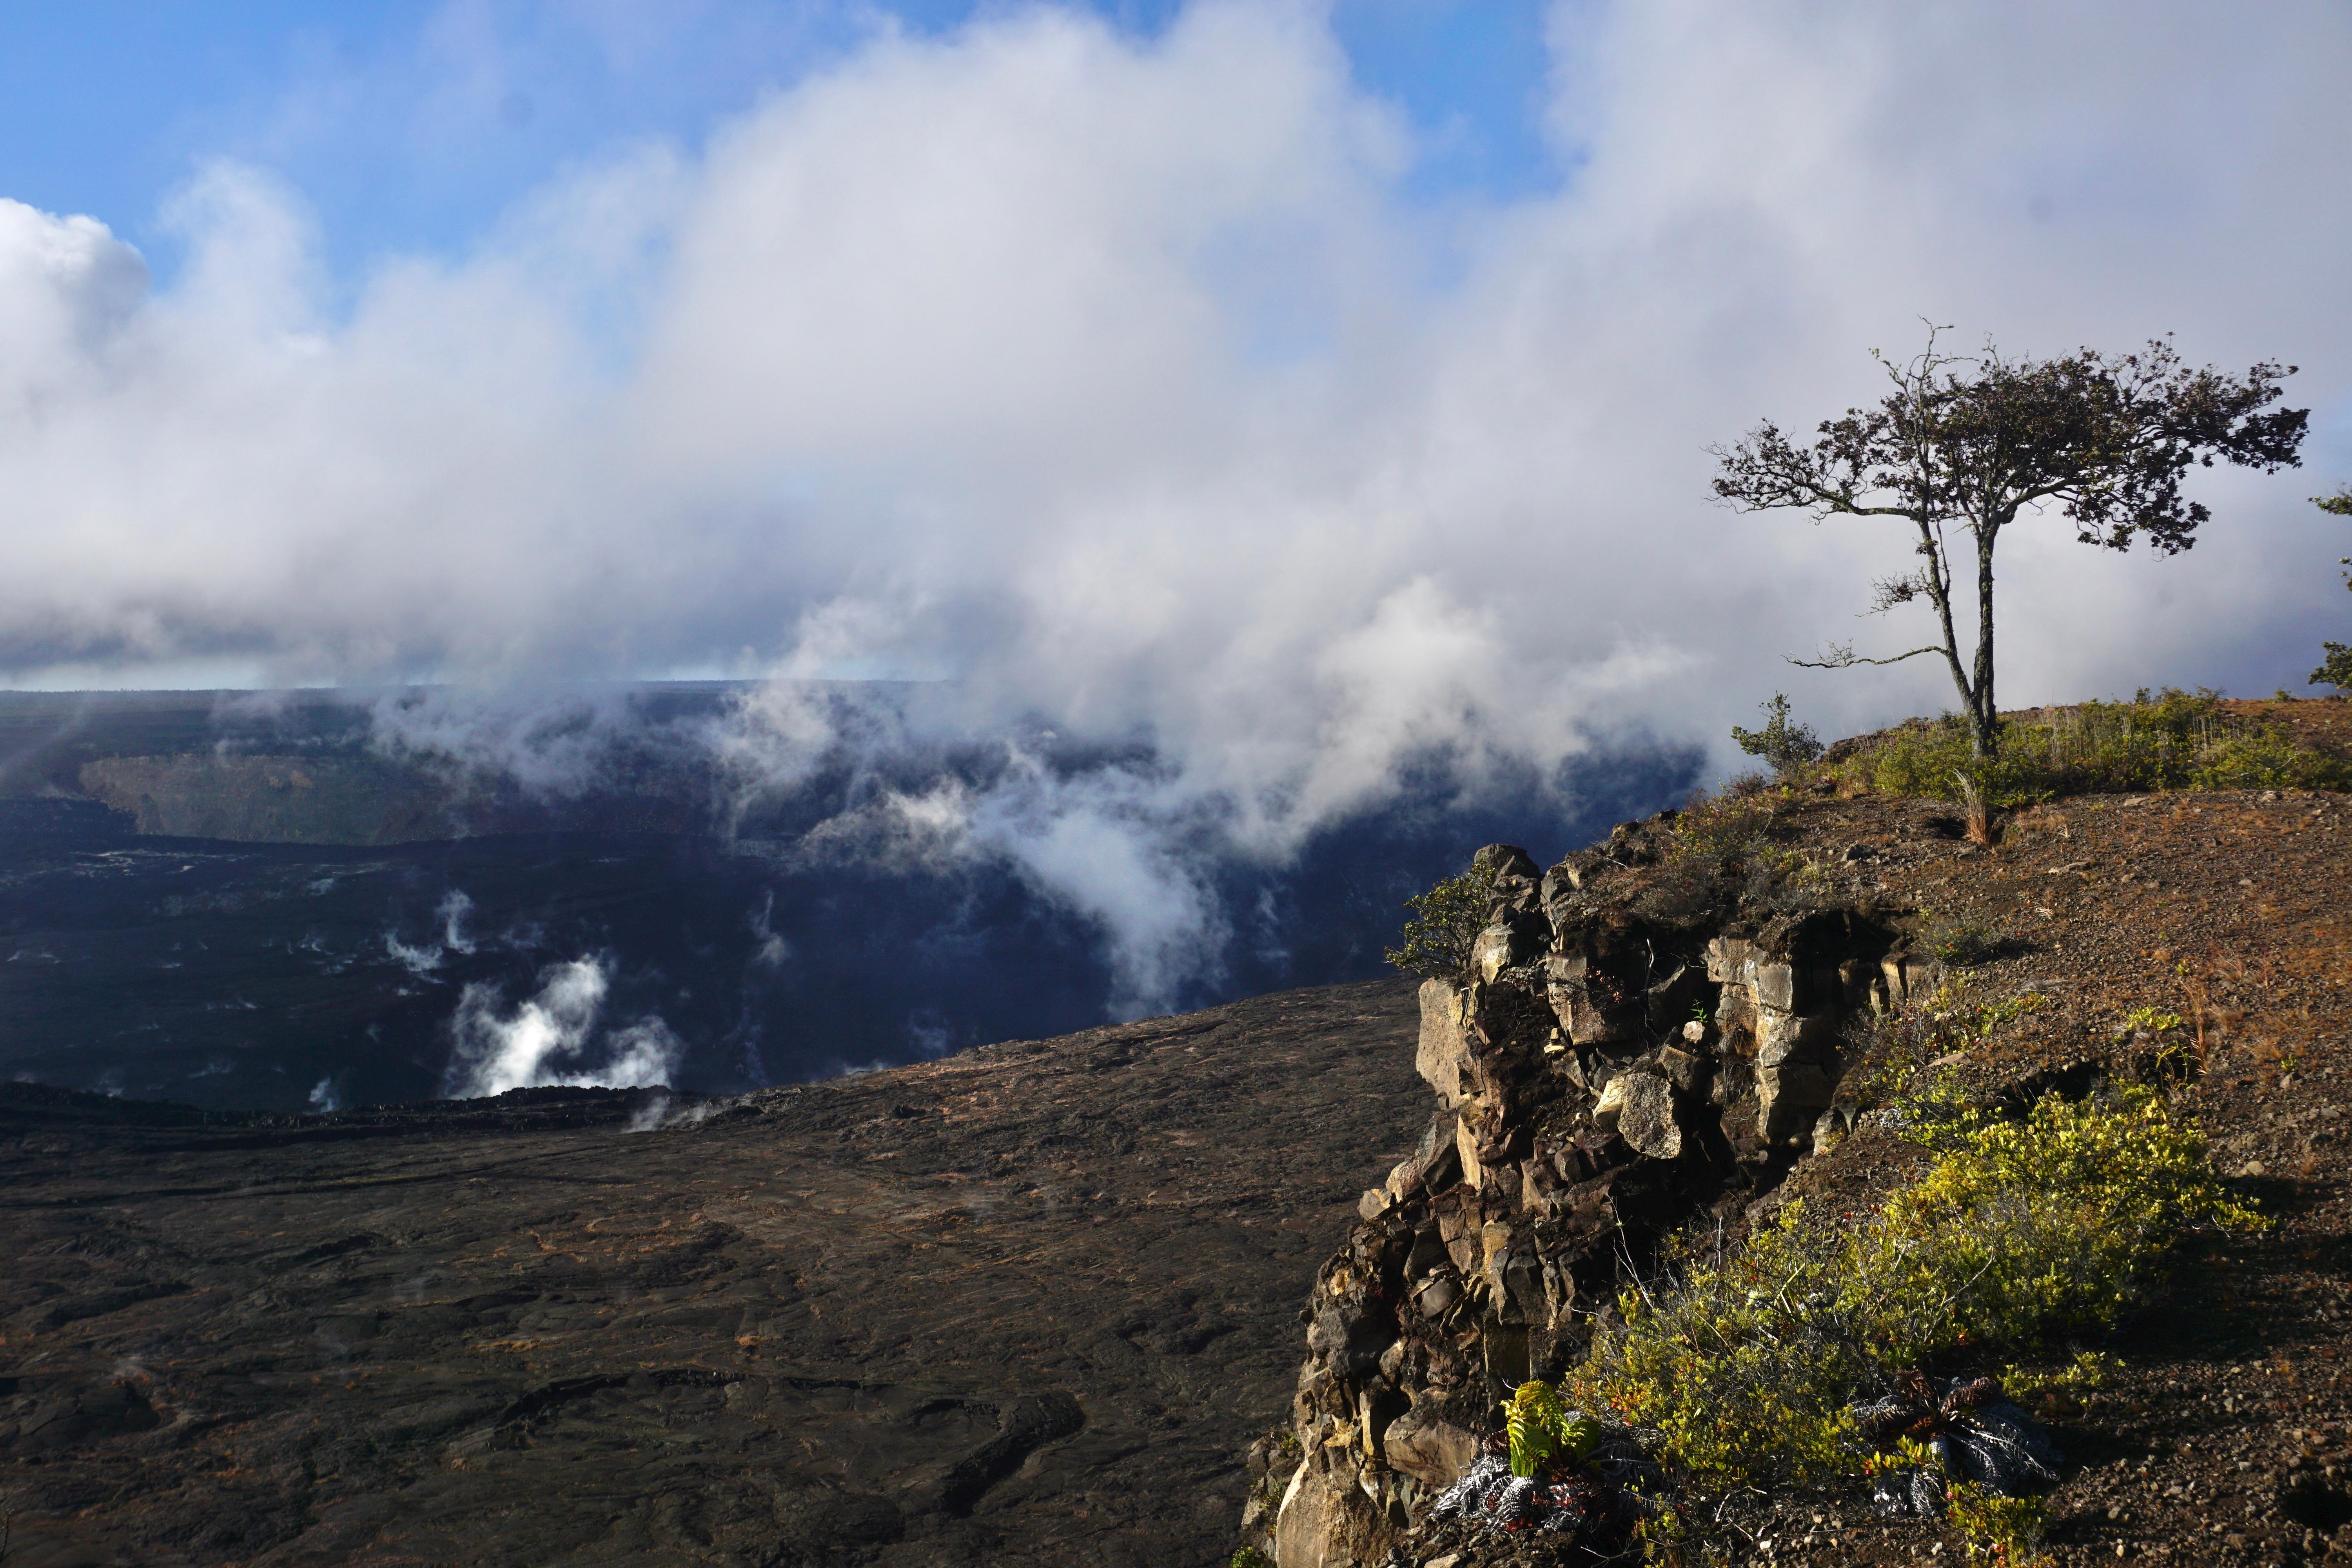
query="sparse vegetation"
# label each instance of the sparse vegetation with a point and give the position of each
(2022, 1233)
(1963, 941)
(1893, 1051)
(1723, 831)
(1445, 924)
(1722, 849)
(2159, 741)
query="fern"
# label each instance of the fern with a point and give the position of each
(1527, 1414)
(1540, 1427)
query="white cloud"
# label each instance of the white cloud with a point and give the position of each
(1110, 378)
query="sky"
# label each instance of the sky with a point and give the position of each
(1305, 385)
(410, 127)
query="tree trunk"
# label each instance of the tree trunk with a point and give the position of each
(1985, 714)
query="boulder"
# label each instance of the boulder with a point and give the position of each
(1517, 1277)
(1506, 945)
(1326, 1521)
(1795, 1037)
(1667, 1004)
(1611, 1104)
(1430, 1449)
(1908, 976)
(1683, 1069)
(1570, 877)
(1570, 983)
(1465, 1150)
(1444, 1050)
(1775, 986)
(1639, 1107)
(1790, 1097)
(1507, 863)
(1728, 958)
(1440, 1169)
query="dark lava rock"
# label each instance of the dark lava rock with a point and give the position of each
(1037, 1320)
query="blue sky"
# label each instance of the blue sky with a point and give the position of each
(408, 127)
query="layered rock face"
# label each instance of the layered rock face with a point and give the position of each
(1623, 1058)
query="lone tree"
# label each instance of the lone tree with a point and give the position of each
(1966, 443)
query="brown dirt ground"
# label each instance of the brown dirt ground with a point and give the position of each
(2228, 1437)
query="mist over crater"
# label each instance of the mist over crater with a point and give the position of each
(314, 899)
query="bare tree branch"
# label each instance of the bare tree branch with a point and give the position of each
(1842, 657)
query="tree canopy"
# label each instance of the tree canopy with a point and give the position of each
(1968, 444)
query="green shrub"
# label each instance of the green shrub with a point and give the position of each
(2336, 670)
(1445, 924)
(2024, 1231)
(1729, 1363)
(2266, 759)
(2021, 1233)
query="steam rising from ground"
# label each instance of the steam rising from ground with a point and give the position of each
(552, 1039)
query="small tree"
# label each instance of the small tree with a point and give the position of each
(1967, 445)
(1784, 745)
(1445, 924)
(2336, 670)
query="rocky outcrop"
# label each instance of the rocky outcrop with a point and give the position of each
(1616, 1065)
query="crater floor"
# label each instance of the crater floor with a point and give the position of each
(1025, 1305)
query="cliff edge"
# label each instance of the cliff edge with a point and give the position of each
(1659, 1038)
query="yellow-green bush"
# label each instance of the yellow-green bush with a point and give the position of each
(2021, 1232)
(1737, 1362)
(2264, 758)
(2005, 1531)
(2026, 1230)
